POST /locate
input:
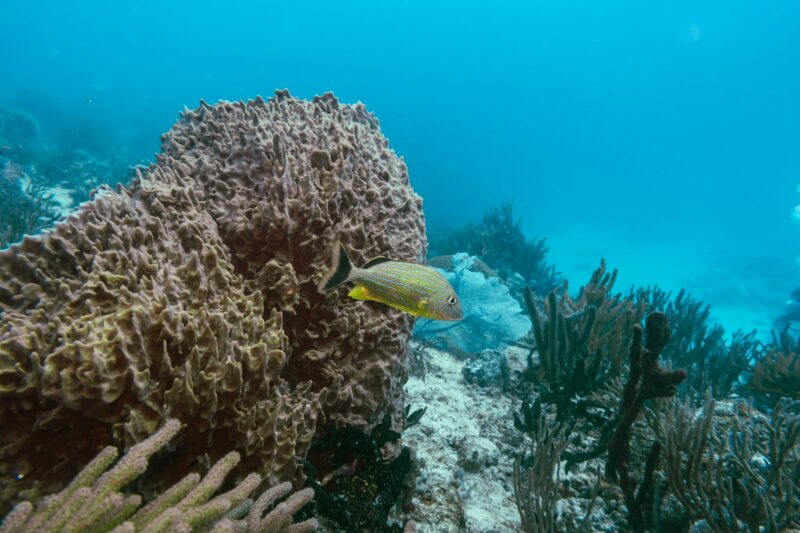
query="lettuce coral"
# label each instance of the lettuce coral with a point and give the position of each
(192, 295)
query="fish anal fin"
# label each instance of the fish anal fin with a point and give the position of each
(360, 292)
(375, 261)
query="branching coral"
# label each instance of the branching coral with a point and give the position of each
(581, 342)
(194, 295)
(646, 381)
(24, 210)
(95, 500)
(776, 372)
(701, 348)
(536, 480)
(561, 340)
(499, 241)
(747, 478)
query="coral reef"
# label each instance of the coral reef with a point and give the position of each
(193, 295)
(745, 478)
(19, 133)
(94, 500)
(492, 317)
(498, 240)
(700, 347)
(466, 446)
(646, 381)
(581, 342)
(584, 346)
(774, 376)
(536, 479)
(24, 208)
(43, 177)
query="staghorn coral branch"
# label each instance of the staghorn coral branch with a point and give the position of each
(210, 483)
(169, 498)
(93, 502)
(280, 517)
(265, 501)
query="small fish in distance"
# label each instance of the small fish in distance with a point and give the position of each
(415, 289)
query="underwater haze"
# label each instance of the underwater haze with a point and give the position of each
(663, 136)
(411, 266)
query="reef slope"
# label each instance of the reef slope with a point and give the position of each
(192, 295)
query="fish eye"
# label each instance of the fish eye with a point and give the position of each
(451, 300)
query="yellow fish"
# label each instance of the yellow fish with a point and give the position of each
(415, 289)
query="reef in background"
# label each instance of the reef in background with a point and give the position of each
(193, 295)
(499, 241)
(45, 174)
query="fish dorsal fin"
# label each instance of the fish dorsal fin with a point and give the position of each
(376, 261)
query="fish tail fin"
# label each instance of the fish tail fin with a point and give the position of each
(339, 271)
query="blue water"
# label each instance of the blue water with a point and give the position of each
(664, 136)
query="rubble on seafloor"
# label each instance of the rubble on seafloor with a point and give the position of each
(465, 447)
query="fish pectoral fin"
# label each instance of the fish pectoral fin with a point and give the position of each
(406, 309)
(360, 292)
(423, 304)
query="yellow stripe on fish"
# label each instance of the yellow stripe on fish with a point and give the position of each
(415, 289)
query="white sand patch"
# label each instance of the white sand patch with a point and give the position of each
(466, 481)
(63, 197)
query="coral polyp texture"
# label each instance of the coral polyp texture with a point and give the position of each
(193, 295)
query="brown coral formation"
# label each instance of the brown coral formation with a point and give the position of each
(94, 500)
(193, 296)
(776, 375)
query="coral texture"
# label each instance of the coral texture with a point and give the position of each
(193, 296)
(93, 501)
(742, 478)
